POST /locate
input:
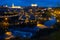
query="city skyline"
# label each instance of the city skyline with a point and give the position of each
(42, 3)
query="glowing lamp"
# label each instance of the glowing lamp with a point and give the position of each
(8, 33)
(6, 18)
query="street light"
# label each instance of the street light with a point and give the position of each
(6, 18)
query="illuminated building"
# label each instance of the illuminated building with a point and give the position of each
(8, 18)
(13, 6)
(34, 5)
(5, 24)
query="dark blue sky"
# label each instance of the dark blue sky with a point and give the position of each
(44, 3)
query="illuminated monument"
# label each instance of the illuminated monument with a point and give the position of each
(13, 6)
(34, 5)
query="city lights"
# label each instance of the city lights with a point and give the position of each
(8, 33)
(13, 6)
(58, 20)
(18, 22)
(41, 26)
(33, 4)
(57, 12)
(6, 18)
(5, 24)
(29, 20)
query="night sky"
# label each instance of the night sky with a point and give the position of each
(42, 3)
